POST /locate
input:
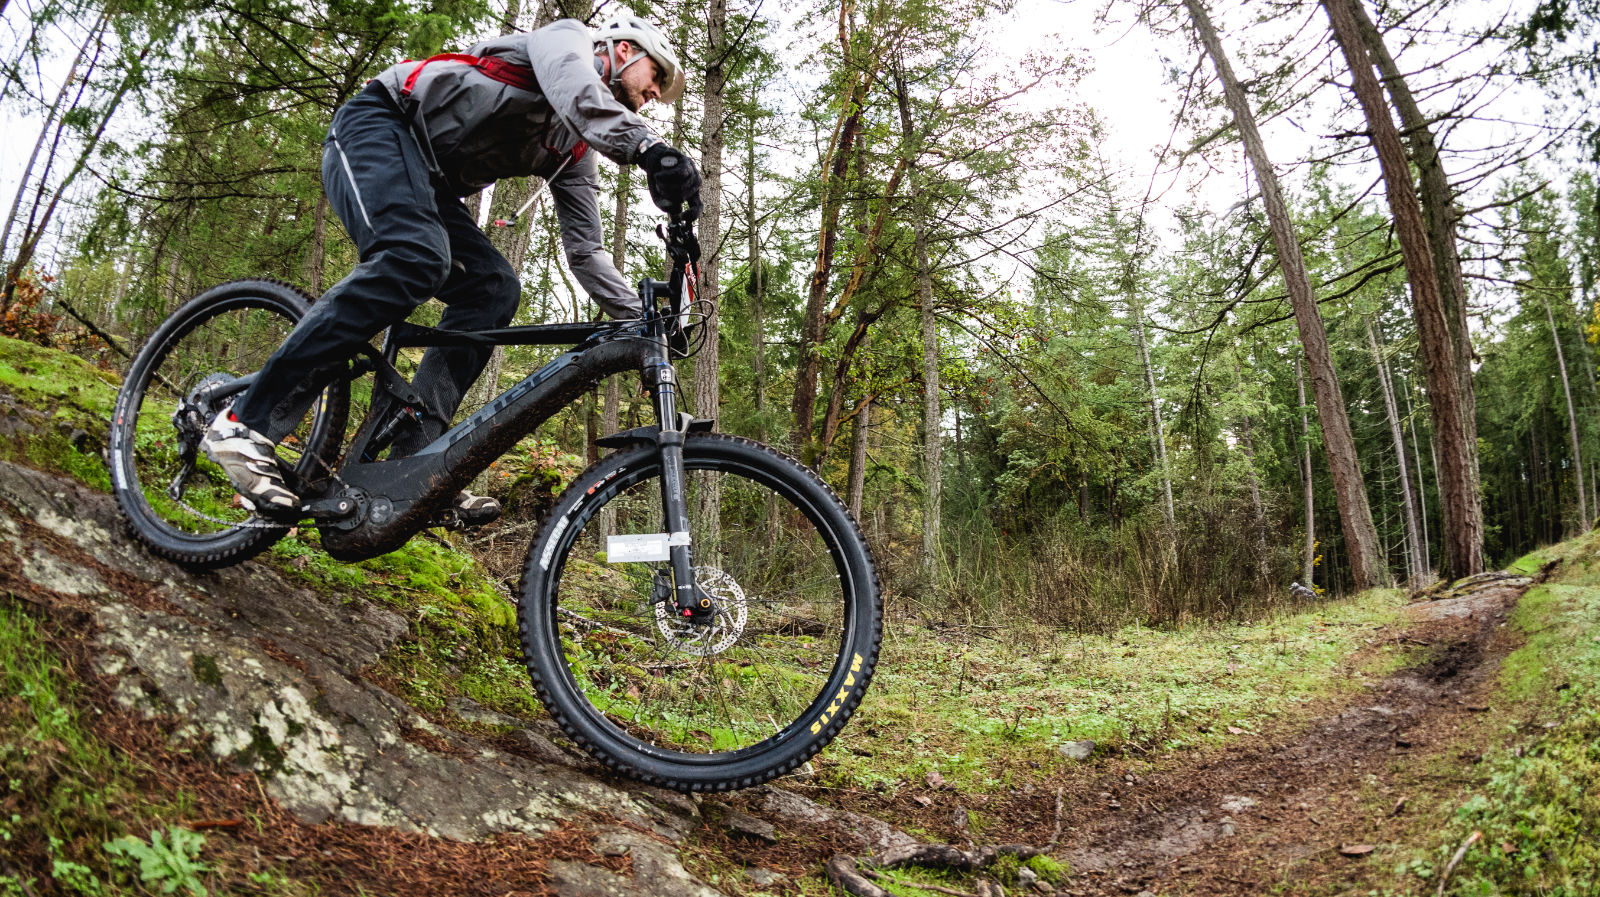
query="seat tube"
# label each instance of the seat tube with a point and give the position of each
(663, 382)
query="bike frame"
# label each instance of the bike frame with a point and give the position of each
(370, 507)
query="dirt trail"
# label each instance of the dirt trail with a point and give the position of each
(1266, 815)
(1277, 813)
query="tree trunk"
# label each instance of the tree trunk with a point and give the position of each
(611, 414)
(932, 466)
(317, 257)
(859, 337)
(1422, 490)
(44, 131)
(1309, 484)
(1355, 514)
(707, 387)
(611, 419)
(1463, 515)
(1415, 572)
(707, 391)
(1438, 210)
(38, 222)
(931, 462)
(1572, 420)
(1257, 509)
(1157, 430)
(812, 331)
(758, 323)
(858, 460)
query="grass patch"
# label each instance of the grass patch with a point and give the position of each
(1538, 807)
(60, 787)
(973, 707)
(462, 639)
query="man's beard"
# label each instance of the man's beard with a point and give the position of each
(621, 93)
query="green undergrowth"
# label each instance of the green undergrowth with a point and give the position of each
(1538, 807)
(990, 709)
(62, 410)
(73, 818)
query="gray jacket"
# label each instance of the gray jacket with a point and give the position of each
(476, 130)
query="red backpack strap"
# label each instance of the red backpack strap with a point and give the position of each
(519, 76)
(411, 79)
(494, 67)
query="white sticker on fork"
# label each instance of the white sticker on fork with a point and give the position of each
(637, 548)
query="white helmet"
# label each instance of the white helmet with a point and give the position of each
(646, 37)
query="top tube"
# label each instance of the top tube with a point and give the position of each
(409, 335)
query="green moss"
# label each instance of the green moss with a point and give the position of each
(63, 395)
(1051, 870)
(205, 670)
(1530, 562)
(47, 378)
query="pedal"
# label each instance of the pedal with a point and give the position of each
(455, 521)
(331, 509)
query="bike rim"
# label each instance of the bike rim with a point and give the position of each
(783, 631)
(230, 340)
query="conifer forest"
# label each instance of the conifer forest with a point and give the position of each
(1335, 324)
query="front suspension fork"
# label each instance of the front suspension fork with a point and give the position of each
(687, 601)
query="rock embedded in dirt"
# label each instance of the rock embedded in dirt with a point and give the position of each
(1236, 803)
(856, 830)
(1077, 750)
(742, 823)
(268, 675)
(763, 878)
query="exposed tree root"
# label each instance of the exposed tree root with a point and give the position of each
(845, 873)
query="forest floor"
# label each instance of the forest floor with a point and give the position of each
(1467, 713)
(1350, 746)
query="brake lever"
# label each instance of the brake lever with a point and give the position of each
(680, 241)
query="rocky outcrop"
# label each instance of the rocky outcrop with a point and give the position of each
(266, 674)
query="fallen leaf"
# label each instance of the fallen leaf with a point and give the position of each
(922, 800)
(1235, 730)
(1356, 850)
(935, 781)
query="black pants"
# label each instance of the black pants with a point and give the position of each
(416, 241)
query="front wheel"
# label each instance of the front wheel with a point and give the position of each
(747, 697)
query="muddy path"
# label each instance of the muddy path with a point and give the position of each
(1296, 810)
(1300, 813)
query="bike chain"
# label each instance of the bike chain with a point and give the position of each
(255, 522)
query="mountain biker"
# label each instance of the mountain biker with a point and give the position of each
(397, 161)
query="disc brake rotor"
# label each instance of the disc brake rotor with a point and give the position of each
(724, 630)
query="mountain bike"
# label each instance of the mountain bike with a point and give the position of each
(698, 610)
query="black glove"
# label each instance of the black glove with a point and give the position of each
(674, 180)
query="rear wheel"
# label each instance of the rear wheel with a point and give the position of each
(175, 500)
(784, 661)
